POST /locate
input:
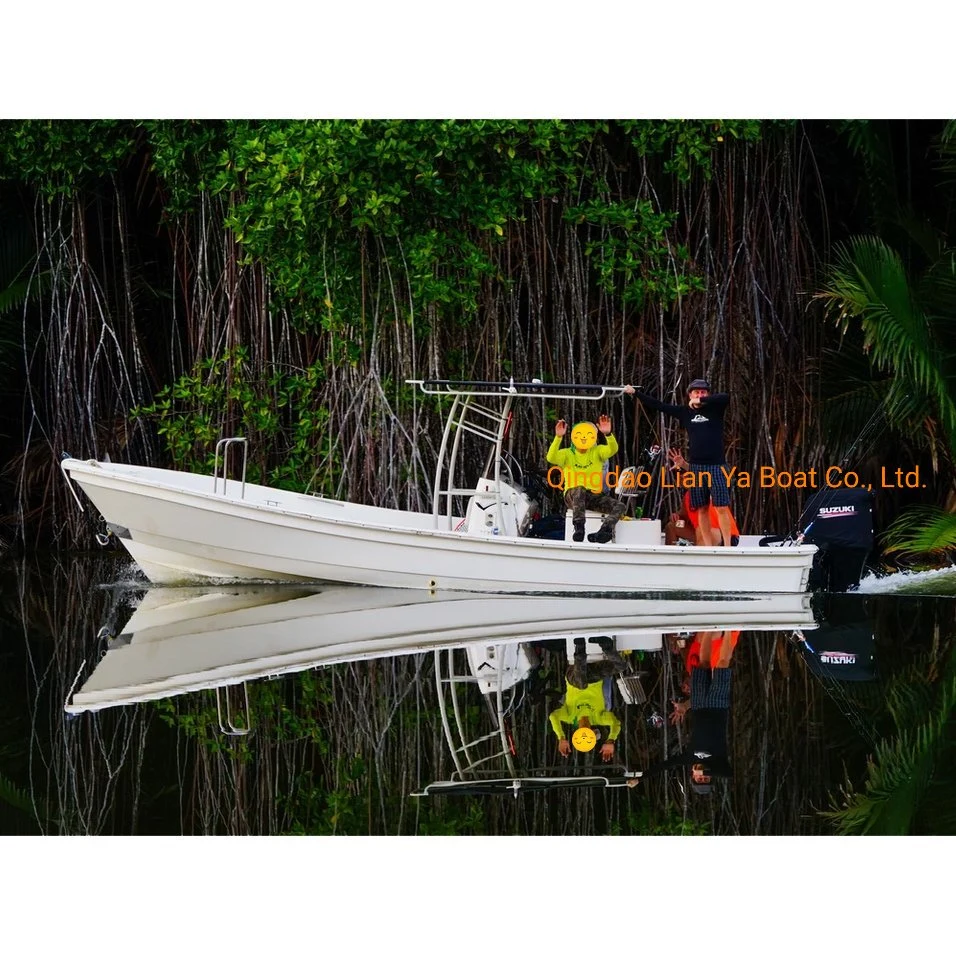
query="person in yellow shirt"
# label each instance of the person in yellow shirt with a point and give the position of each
(582, 475)
(583, 706)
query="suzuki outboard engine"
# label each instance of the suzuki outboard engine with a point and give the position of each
(839, 521)
(843, 647)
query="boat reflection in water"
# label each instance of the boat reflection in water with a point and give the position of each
(488, 650)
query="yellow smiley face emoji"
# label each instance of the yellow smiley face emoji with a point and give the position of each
(584, 436)
(584, 739)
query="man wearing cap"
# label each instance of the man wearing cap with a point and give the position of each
(582, 474)
(703, 418)
(709, 705)
(583, 707)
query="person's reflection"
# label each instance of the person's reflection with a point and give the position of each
(708, 662)
(584, 707)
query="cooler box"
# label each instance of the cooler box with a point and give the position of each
(639, 531)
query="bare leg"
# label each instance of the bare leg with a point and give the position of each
(723, 518)
(703, 526)
(705, 641)
(726, 650)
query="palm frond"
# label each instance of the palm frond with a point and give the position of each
(24, 290)
(909, 697)
(899, 774)
(15, 796)
(937, 292)
(921, 530)
(868, 282)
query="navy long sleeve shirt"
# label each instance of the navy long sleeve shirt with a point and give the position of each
(704, 425)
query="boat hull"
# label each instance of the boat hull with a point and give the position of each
(179, 529)
(180, 642)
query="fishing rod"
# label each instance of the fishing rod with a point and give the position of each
(834, 690)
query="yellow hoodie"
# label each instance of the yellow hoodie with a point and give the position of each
(582, 467)
(584, 703)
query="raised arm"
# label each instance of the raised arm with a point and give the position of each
(652, 402)
(555, 455)
(606, 451)
(555, 718)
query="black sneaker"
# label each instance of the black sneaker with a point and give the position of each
(600, 537)
(578, 534)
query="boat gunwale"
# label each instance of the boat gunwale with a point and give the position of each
(114, 477)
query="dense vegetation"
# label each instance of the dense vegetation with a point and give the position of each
(163, 283)
(283, 279)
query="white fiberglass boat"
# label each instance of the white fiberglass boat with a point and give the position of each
(182, 527)
(182, 640)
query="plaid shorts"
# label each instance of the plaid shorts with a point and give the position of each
(710, 689)
(716, 489)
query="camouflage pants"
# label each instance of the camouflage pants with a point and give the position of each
(579, 499)
(583, 672)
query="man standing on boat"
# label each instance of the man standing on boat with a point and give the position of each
(709, 705)
(684, 523)
(582, 471)
(703, 418)
(583, 706)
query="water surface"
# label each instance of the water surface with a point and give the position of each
(343, 748)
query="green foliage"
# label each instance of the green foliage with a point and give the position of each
(18, 292)
(868, 282)
(648, 820)
(186, 154)
(634, 256)
(870, 142)
(308, 197)
(689, 144)
(922, 530)
(14, 796)
(225, 396)
(198, 719)
(59, 157)
(851, 398)
(910, 777)
(451, 817)
(435, 198)
(320, 810)
(294, 710)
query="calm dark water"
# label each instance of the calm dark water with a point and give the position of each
(342, 748)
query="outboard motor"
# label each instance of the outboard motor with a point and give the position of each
(844, 646)
(839, 521)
